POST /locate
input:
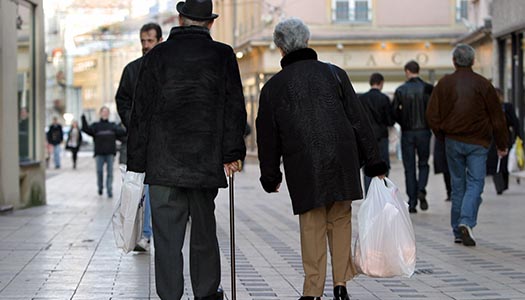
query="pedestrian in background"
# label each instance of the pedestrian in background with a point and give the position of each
(186, 129)
(55, 136)
(318, 133)
(74, 141)
(150, 36)
(379, 112)
(409, 106)
(441, 165)
(465, 111)
(105, 134)
(501, 176)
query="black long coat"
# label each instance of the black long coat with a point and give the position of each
(302, 119)
(513, 131)
(188, 114)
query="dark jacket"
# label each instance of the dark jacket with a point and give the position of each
(126, 88)
(464, 106)
(188, 115)
(55, 134)
(79, 142)
(513, 131)
(377, 107)
(410, 104)
(104, 135)
(302, 119)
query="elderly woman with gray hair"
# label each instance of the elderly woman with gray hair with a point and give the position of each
(310, 117)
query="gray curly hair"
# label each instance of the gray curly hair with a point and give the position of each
(463, 55)
(291, 34)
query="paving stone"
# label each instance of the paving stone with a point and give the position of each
(65, 250)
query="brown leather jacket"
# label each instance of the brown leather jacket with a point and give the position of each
(464, 106)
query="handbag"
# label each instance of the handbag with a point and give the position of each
(360, 150)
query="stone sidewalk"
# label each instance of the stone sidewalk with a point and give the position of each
(65, 250)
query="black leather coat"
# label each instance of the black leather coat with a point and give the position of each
(188, 114)
(410, 104)
(302, 119)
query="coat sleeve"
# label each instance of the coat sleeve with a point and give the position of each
(89, 129)
(497, 118)
(396, 107)
(145, 97)
(124, 96)
(433, 113)
(233, 147)
(512, 122)
(268, 144)
(365, 139)
(388, 118)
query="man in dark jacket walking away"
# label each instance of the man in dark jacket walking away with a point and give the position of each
(379, 112)
(465, 112)
(150, 36)
(409, 107)
(186, 130)
(318, 132)
(55, 136)
(104, 135)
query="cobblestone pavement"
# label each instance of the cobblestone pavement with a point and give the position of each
(65, 250)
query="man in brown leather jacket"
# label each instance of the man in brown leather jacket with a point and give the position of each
(464, 111)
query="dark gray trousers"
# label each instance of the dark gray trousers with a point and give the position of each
(171, 207)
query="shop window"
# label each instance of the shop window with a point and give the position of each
(461, 10)
(352, 11)
(26, 81)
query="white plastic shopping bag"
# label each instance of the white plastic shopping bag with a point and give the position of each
(386, 244)
(512, 163)
(128, 215)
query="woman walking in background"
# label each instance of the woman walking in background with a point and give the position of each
(74, 140)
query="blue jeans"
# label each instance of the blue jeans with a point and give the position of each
(146, 228)
(467, 166)
(108, 160)
(382, 144)
(415, 142)
(56, 155)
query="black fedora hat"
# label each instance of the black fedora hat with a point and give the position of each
(199, 10)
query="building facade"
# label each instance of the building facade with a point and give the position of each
(508, 30)
(22, 104)
(361, 36)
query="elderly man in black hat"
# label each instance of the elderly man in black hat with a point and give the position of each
(186, 131)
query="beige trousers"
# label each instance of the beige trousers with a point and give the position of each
(333, 221)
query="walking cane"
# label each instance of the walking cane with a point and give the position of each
(232, 237)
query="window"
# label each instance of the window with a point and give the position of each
(26, 81)
(461, 9)
(352, 11)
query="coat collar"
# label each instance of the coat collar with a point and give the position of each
(189, 30)
(298, 55)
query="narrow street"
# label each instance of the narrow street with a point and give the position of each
(65, 250)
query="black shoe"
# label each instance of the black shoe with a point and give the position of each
(100, 192)
(110, 195)
(422, 201)
(218, 296)
(467, 237)
(340, 293)
(309, 298)
(458, 240)
(412, 210)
